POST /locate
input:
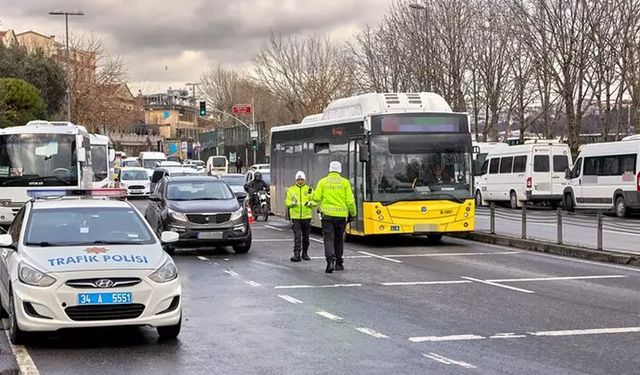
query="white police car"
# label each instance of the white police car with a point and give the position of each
(82, 262)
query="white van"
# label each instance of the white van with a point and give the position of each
(149, 160)
(605, 176)
(217, 165)
(532, 172)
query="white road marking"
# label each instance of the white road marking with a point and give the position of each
(347, 257)
(274, 240)
(226, 259)
(253, 283)
(329, 315)
(370, 332)
(274, 228)
(203, 258)
(579, 332)
(316, 286)
(445, 338)
(290, 299)
(380, 257)
(316, 240)
(402, 283)
(232, 273)
(558, 278)
(448, 361)
(507, 336)
(498, 285)
(450, 254)
(25, 363)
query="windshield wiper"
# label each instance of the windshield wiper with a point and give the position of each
(450, 196)
(433, 196)
(106, 242)
(43, 244)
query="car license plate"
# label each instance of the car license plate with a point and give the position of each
(210, 235)
(104, 298)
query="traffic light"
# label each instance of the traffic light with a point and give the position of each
(203, 108)
(254, 144)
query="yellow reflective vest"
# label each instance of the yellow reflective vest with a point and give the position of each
(300, 202)
(335, 197)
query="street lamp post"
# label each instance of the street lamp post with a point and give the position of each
(196, 114)
(66, 26)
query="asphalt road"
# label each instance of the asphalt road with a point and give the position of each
(401, 306)
(578, 229)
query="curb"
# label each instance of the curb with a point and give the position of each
(606, 256)
(8, 363)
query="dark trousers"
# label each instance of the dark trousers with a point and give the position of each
(332, 232)
(238, 169)
(301, 229)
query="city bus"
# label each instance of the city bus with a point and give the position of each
(41, 155)
(408, 158)
(102, 157)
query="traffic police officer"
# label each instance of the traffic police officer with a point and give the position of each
(299, 200)
(337, 206)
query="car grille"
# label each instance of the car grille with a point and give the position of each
(135, 187)
(104, 312)
(118, 282)
(209, 219)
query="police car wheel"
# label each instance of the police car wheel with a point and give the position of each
(3, 312)
(244, 248)
(170, 332)
(16, 335)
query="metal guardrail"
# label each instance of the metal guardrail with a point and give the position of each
(562, 218)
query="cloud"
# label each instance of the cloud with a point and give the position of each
(173, 41)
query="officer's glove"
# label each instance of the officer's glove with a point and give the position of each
(294, 202)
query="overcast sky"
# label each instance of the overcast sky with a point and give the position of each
(168, 43)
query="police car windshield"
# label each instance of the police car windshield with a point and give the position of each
(80, 226)
(195, 191)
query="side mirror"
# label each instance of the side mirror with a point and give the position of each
(169, 237)
(112, 154)
(6, 240)
(155, 197)
(567, 174)
(82, 155)
(364, 152)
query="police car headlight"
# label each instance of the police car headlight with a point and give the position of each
(178, 215)
(237, 215)
(31, 276)
(166, 273)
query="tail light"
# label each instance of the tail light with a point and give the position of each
(530, 182)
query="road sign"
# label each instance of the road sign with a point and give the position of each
(242, 108)
(254, 134)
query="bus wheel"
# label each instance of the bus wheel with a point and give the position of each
(568, 202)
(621, 207)
(478, 198)
(434, 237)
(513, 200)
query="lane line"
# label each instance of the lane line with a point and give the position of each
(450, 254)
(380, 257)
(402, 283)
(290, 299)
(232, 273)
(445, 338)
(316, 240)
(316, 286)
(203, 258)
(274, 228)
(507, 336)
(347, 257)
(253, 283)
(372, 333)
(579, 332)
(499, 285)
(558, 278)
(274, 240)
(329, 315)
(25, 362)
(448, 361)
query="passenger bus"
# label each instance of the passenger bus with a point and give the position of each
(408, 158)
(41, 155)
(102, 157)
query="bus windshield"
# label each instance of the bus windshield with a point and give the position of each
(421, 167)
(38, 160)
(99, 162)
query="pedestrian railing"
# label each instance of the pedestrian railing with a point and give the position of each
(522, 222)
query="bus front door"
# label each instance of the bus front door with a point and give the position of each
(358, 182)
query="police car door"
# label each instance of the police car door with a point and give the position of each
(5, 253)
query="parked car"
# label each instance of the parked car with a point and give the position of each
(202, 210)
(532, 172)
(135, 180)
(161, 172)
(236, 183)
(605, 176)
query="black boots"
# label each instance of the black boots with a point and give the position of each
(305, 256)
(339, 266)
(296, 256)
(331, 265)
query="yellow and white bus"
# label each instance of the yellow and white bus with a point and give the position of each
(407, 155)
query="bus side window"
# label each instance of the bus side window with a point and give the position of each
(494, 166)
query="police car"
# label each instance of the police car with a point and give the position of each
(72, 260)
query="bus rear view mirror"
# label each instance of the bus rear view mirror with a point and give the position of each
(364, 152)
(567, 174)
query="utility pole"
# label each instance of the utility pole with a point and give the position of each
(195, 113)
(66, 26)
(253, 125)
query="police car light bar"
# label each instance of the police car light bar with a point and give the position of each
(58, 193)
